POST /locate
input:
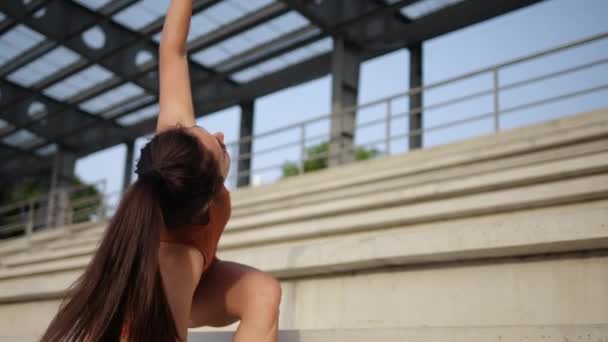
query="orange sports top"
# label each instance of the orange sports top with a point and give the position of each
(205, 238)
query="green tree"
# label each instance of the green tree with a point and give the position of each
(316, 159)
(84, 200)
(26, 189)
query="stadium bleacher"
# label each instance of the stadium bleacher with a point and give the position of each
(504, 233)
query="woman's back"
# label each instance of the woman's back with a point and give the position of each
(181, 267)
(184, 254)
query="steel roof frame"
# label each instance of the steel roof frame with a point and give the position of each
(370, 25)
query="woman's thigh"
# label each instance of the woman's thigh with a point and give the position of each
(227, 290)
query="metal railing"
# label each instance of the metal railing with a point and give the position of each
(25, 216)
(82, 203)
(496, 90)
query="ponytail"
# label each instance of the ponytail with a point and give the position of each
(177, 177)
(122, 284)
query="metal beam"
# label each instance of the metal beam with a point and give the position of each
(64, 164)
(117, 55)
(296, 74)
(128, 170)
(245, 136)
(67, 116)
(321, 15)
(8, 152)
(16, 169)
(446, 20)
(375, 39)
(350, 19)
(345, 67)
(142, 75)
(46, 46)
(271, 49)
(27, 57)
(71, 36)
(6, 25)
(415, 98)
(240, 25)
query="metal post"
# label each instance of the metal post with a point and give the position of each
(345, 67)
(389, 115)
(416, 100)
(496, 102)
(128, 171)
(102, 202)
(302, 146)
(29, 227)
(50, 205)
(245, 142)
(69, 214)
(63, 173)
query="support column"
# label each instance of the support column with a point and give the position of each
(62, 175)
(416, 115)
(245, 140)
(345, 65)
(128, 172)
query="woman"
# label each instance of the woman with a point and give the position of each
(155, 273)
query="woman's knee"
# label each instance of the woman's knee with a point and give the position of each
(264, 294)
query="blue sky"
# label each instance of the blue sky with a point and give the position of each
(523, 32)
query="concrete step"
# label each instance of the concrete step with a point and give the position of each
(49, 255)
(470, 196)
(545, 135)
(470, 183)
(531, 290)
(75, 241)
(96, 230)
(545, 333)
(556, 333)
(486, 203)
(521, 233)
(431, 176)
(558, 229)
(41, 238)
(411, 168)
(518, 250)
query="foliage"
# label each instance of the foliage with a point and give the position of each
(83, 200)
(316, 159)
(27, 189)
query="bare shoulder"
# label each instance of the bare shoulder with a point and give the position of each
(181, 260)
(180, 267)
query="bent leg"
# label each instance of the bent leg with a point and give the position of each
(229, 292)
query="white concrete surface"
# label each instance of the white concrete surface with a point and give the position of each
(499, 238)
(81, 245)
(559, 333)
(529, 158)
(517, 141)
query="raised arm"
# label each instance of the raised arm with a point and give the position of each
(175, 92)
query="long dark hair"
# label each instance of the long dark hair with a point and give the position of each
(177, 178)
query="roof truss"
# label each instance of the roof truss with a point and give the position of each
(374, 26)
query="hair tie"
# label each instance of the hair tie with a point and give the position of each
(152, 175)
(145, 167)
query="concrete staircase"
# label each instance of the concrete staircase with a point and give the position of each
(500, 238)
(590, 333)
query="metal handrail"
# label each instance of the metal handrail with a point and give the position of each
(28, 211)
(388, 101)
(41, 198)
(416, 90)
